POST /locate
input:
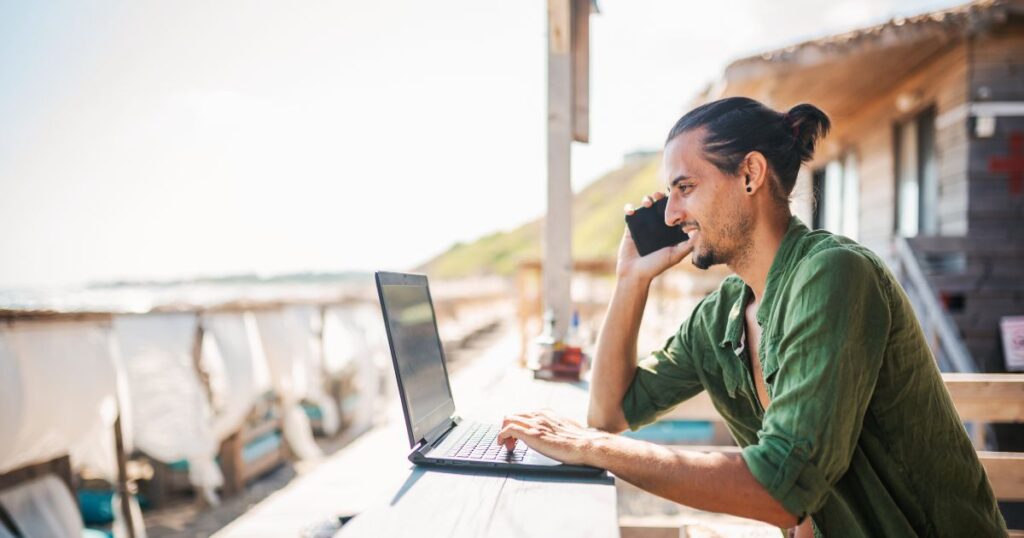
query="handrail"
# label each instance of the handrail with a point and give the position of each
(934, 318)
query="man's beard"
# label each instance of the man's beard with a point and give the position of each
(710, 256)
(705, 259)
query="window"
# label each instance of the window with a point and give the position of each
(837, 196)
(851, 197)
(916, 176)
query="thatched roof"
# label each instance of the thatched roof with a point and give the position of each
(842, 72)
(945, 25)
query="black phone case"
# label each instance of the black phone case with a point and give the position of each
(647, 226)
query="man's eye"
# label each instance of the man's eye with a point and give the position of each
(685, 188)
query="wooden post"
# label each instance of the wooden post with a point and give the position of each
(197, 362)
(123, 488)
(581, 10)
(557, 264)
(232, 464)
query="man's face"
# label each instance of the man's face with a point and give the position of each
(709, 205)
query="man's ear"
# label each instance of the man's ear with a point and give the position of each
(755, 172)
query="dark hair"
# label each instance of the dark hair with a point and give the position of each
(735, 126)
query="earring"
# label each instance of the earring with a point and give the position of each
(749, 189)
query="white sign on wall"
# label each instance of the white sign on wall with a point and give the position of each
(1013, 342)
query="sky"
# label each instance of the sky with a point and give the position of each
(166, 140)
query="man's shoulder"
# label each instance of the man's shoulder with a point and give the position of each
(839, 258)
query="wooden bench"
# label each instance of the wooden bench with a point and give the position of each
(238, 471)
(985, 398)
(61, 468)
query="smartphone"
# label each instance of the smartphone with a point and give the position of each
(647, 226)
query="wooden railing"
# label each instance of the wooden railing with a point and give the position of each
(984, 398)
(939, 328)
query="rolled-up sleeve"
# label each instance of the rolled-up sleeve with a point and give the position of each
(664, 378)
(829, 355)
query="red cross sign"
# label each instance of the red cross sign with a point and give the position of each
(1012, 164)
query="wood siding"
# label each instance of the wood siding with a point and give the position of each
(940, 82)
(995, 259)
(975, 259)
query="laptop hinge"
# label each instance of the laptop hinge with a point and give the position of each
(437, 433)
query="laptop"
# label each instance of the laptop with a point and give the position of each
(437, 435)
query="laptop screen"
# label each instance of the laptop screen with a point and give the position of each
(416, 349)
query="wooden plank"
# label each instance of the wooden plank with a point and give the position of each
(60, 466)
(581, 70)
(413, 511)
(1005, 472)
(372, 477)
(987, 397)
(262, 465)
(651, 527)
(13, 316)
(232, 465)
(549, 506)
(502, 504)
(251, 433)
(124, 489)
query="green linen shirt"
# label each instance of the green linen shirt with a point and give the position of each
(861, 434)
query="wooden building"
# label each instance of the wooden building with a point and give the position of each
(925, 162)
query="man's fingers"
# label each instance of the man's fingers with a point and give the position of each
(508, 435)
(654, 197)
(678, 252)
(516, 421)
(628, 209)
(558, 419)
(535, 422)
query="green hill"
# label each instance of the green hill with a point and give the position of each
(597, 228)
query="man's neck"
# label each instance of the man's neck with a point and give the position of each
(765, 242)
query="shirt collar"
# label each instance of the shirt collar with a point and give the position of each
(780, 264)
(734, 326)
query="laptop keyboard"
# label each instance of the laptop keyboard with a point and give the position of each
(478, 444)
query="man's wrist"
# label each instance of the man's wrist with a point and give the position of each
(599, 448)
(633, 283)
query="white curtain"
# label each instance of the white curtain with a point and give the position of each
(307, 325)
(280, 334)
(170, 408)
(43, 507)
(234, 359)
(354, 341)
(59, 388)
(58, 384)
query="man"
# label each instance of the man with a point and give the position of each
(811, 353)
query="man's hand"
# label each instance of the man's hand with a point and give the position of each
(716, 482)
(632, 264)
(556, 437)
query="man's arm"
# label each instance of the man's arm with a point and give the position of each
(715, 481)
(615, 356)
(615, 359)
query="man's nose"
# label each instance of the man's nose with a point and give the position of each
(674, 212)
